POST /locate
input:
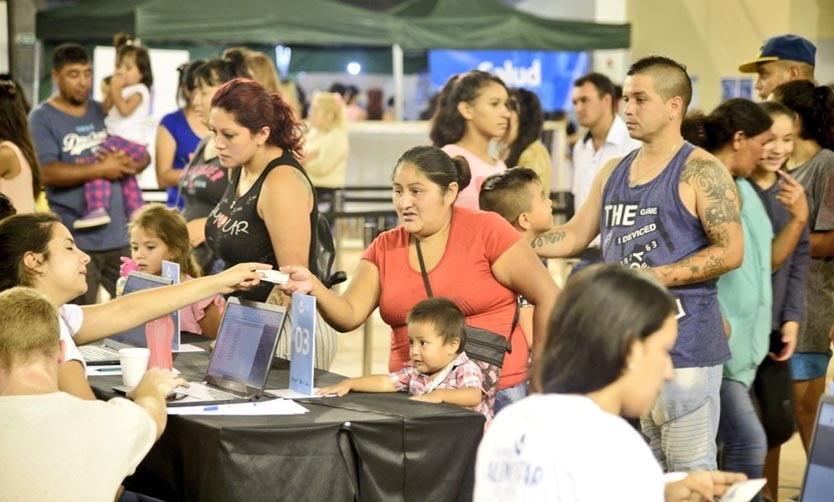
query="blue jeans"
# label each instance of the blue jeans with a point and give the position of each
(740, 432)
(510, 395)
(682, 425)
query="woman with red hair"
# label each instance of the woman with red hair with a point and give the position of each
(268, 209)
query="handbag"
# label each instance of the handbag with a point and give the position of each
(486, 348)
(322, 246)
(773, 389)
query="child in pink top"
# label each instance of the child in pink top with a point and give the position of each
(159, 233)
(473, 110)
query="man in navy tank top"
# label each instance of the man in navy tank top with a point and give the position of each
(672, 208)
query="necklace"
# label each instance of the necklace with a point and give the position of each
(638, 176)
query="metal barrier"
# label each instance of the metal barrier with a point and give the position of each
(360, 203)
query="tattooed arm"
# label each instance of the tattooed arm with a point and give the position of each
(574, 236)
(708, 190)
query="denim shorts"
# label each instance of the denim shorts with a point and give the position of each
(809, 365)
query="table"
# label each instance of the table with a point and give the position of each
(365, 447)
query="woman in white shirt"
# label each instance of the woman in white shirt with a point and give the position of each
(606, 356)
(37, 251)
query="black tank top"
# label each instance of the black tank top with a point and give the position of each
(235, 231)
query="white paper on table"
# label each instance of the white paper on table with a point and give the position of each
(291, 394)
(270, 407)
(187, 347)
(104, 370)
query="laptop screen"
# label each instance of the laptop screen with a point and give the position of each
(245, 343)
(138, 281)
(819, 477)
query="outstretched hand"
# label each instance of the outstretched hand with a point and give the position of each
(340, 389)
(702, 486)
(241, 277)
(300, 281)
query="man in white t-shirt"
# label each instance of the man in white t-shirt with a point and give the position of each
(595, 102)
(56, 446)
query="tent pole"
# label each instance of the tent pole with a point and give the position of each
(36, 81)
(397, 66)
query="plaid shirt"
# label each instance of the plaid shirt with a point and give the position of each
(465, 374)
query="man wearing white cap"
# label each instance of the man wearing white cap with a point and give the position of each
(781, 59)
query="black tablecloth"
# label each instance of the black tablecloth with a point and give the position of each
(364, 447)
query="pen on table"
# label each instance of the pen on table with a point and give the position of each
(211, 408)
(107, 370)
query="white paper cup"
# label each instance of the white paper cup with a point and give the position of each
(134, 362)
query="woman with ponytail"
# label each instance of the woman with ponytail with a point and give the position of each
(812, 164)
(268, 209)
(475, 258)
(204, 181)
(736, 134)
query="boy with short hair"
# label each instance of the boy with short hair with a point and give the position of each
(439, 371)
(517, 194)
(44, 432)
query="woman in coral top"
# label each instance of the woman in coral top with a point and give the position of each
(473, 110)
(474, 258)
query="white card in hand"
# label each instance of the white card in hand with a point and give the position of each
(744, 491)
(274, 276)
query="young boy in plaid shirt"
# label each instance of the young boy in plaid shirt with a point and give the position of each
(439, 371)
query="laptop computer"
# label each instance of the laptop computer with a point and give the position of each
(107, 351)
(818, 485)
(242, 357)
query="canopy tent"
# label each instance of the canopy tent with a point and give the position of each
(416, 24)
(489, 24)
(319, 22)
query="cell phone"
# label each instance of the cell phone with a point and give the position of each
(776, 343)
(744, 491)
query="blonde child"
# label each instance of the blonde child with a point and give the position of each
(127, 104)
(518, 195)
(159, 233)
(440, 371)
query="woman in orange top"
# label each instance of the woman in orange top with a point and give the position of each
(474, 258)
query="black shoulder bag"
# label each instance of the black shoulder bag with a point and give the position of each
(322, 248)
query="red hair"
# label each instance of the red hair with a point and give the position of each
(254, 107)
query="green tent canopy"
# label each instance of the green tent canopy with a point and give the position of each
(416, 24)
(489, 24)
(314, 22)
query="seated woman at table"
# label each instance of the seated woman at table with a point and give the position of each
(37, 251)
(606, 355)
(439, 371)
(474, 258)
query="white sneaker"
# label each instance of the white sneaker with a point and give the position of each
(95, 218)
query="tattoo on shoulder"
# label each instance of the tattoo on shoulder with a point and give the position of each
(548, 238)
(715, 185)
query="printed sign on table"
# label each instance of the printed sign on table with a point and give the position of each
(171, 270)
(303, 345)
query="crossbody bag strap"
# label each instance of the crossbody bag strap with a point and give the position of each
(426, 282)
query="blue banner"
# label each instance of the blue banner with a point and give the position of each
(550, 74)
(303, 344)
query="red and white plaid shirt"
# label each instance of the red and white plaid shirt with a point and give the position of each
(465, 374)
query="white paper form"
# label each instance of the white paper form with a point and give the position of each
(254, 408)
